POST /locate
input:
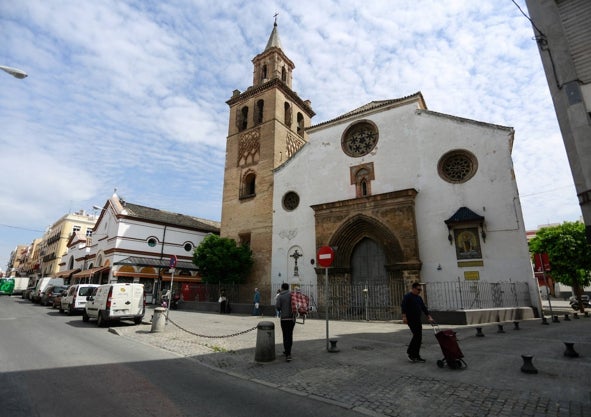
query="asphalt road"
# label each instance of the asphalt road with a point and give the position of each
(56, 365)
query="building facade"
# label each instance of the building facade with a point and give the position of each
(400, 192)
(134, 243)
(563, 33)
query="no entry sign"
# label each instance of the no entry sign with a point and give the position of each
(325, 256)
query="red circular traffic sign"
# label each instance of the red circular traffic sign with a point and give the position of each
(325, 256)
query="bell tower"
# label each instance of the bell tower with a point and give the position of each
(267, 126)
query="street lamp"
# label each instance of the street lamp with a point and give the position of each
(15, 72)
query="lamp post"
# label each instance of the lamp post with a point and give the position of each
(15, 72)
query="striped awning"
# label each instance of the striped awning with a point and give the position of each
(156, 262)
(64, 274)
(90, 272)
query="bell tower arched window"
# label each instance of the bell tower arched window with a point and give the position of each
(258, 118)
(248, 188)
(300, 124)
(287, 113)
(242, 119)
(264, 73)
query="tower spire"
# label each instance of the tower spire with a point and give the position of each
(274, 40)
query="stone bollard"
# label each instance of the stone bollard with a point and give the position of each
(265, 348)
(570, 350)
(545, 320)
(479, 332)
(515, 325)
(528, 366)
(158, 320)
(566, 317)
(500, 330)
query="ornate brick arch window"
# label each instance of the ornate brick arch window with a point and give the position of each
(362, 176)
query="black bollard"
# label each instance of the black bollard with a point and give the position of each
(555, 319)
(575, 316)
(570, 350)
(333, 346)
(515, 325)
(479, 332)
(544, 320)
(528, 366)
(566, 317)
(586, 314)
(500, 330)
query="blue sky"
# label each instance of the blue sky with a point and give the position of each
(131, 94)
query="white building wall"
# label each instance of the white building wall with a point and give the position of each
(411, 142)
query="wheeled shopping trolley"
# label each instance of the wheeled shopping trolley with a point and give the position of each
(452, 355)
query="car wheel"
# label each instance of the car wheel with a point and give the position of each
(100, 320)
(61, 310)
(137, 320)
(70, 310)
(85, 317)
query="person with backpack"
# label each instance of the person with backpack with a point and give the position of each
(283, 305)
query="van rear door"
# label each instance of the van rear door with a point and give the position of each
(127, 299)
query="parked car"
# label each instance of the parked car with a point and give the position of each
(75, 299)
(26, 295)
(42, 285)
(116, 302)
(57, 300)
(50, 293)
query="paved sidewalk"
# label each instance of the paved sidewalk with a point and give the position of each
(371, 374)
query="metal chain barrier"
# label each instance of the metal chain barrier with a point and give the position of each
(211, 337)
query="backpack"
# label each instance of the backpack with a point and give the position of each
(300, 304)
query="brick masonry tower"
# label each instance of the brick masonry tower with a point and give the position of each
(267, 126)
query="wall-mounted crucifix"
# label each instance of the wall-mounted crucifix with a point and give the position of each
(296, 255)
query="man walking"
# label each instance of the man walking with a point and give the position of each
(283, 305)
(412, 306)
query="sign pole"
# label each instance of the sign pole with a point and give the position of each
(172, 265)
(326, 304)
(325, 258)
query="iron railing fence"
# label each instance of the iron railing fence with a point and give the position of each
(471, 295)
(382, 302)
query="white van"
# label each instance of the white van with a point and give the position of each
(74, 300)
(42, 284)
(116, 302)
(20, 285)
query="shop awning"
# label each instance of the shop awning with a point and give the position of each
(90, 272)
(63, 274)
(156, 262)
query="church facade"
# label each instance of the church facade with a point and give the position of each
(401, 193)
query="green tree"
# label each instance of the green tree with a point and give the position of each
(221, 260)
(568, 252)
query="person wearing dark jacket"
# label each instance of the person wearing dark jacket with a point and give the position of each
(412, 306)
(283, 305)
